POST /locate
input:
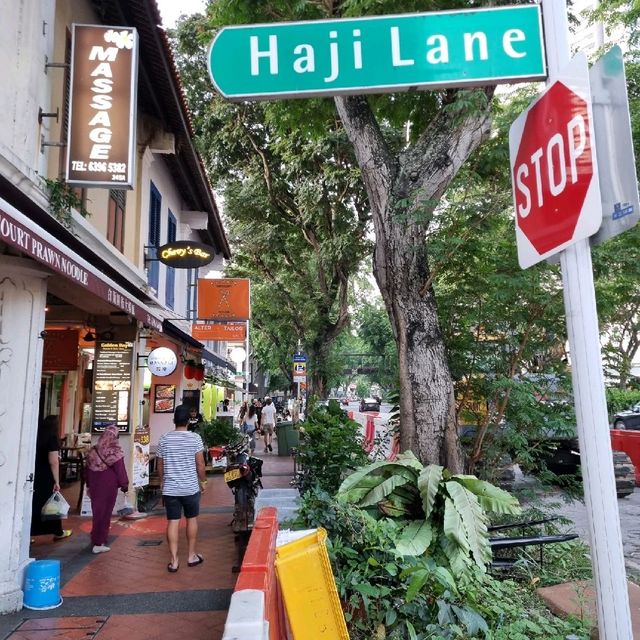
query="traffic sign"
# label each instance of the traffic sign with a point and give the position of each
(438, 49)
(299, 357)
(617, 165)
(554, 168)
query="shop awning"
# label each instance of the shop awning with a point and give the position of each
(217, 361)
(175, 332)
(219, 382)
(36, 243)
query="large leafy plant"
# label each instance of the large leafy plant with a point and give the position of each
(441, 514)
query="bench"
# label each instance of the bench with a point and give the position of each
(519, 542)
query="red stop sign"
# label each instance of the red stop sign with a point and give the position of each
(553, 168)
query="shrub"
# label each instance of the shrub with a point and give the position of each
(620, 399)
(331, 446)
(406, 597)
(218, 431)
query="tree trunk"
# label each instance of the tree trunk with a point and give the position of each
(403, 192)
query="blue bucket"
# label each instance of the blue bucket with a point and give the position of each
(42, 585)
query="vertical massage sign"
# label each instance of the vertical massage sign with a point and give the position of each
(102, 116)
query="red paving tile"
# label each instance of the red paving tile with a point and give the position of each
(205, 625)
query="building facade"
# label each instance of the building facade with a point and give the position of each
(83, 297)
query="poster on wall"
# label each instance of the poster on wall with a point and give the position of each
(112, 386)
(141, 439)
(164, 400)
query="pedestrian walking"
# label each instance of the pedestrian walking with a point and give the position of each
(105, 473)
(249, 427)
(268, 422)
(183, 479)
(243, 412)
(46, 479)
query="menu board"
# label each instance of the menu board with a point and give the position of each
(112, 386)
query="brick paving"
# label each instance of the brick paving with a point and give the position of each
(128, 592)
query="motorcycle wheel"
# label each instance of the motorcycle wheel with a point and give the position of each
(241, 520)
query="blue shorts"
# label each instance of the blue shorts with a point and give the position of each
(175, 505)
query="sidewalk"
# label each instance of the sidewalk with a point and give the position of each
(128, 592)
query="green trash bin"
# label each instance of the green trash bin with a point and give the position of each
(287, 438)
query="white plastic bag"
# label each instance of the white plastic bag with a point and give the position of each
(55, 508)
(123, 505)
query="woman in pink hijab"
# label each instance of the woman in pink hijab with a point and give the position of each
(105, 473)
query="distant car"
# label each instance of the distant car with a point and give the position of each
(629, 419)
(369, 404)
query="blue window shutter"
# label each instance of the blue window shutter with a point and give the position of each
(170, 284)
(155, 207)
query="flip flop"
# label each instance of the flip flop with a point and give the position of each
(171, 569)
(200, 560)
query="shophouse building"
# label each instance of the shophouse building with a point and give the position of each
(83, 298)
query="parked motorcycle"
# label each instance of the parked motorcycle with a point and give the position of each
(242, 475)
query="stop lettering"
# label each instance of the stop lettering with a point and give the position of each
(553, 168)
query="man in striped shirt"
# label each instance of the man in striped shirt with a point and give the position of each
(183, 479)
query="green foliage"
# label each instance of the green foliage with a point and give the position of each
(439, 514)
(218, 431)
(620, 399)
(331, 446)
(399, 597)
(62, 199)
(373, 327)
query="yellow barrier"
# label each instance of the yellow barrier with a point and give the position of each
(309, 589)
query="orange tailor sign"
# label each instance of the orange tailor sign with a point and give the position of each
(227, 332)
(223, 299)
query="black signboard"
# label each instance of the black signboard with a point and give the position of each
(184, 254)
(112, 386)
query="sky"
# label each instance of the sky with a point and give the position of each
(171, 10)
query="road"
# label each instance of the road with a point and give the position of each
(576, 511)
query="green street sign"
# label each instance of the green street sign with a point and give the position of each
(379, 53)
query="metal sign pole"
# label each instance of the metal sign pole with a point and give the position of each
(614, 618)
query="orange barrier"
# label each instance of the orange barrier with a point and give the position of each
(258, 569)
(369, 434)
(629, 442)
(395, 447)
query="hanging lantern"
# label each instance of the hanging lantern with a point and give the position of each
(189, 370)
